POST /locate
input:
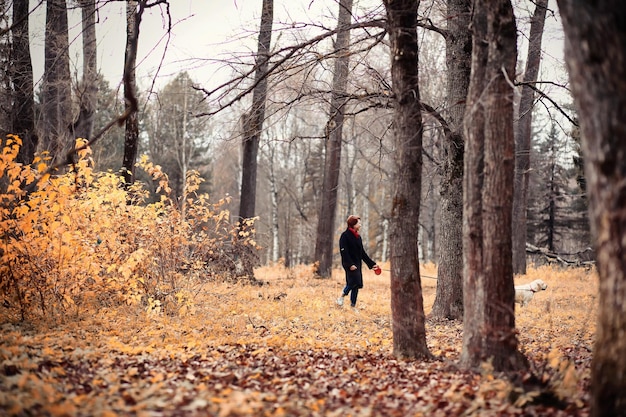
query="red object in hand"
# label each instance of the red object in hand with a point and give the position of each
(377, 270)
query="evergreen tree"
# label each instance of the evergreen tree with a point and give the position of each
(108, 151)
(177, 140)
(557, 209)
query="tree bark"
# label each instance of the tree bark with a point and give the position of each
(595, 52)
(334, 129)
(23, 112)
(83, 127)
(523, 136)
(489, 319)
(131, 136)
(6, 96)
(274, 251)
(253, 122)
(57, 92)
(407, 305)
(449, 297)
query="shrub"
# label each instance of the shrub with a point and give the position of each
(80, 240)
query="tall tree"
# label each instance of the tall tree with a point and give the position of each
(595, 53)
(253, 121)
(407, 304)
(523, 135)
(549, 186)
(88, 91)
(334, 128)
(56, 97)
(134, 11)
(488, 294)
(177, 141)
(449, 296)
(5, 70)
(23, 114)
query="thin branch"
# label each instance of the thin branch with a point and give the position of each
(554, 103)
(4, 31)
(429, 25)
(290, 52)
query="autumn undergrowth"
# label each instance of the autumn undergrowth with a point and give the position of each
(111, 308)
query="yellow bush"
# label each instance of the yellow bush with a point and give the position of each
(80, 240)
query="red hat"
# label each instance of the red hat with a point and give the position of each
(352, 220)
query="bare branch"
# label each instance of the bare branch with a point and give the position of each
(554, 103)
(289, 51)
(428, 24)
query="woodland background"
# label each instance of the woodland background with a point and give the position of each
(141, 223)
(292, 146)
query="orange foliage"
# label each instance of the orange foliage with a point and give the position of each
(285, 348)
(75, 243)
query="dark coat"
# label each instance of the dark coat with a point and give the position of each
(353, 253)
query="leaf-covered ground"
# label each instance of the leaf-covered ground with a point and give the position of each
(285, 349)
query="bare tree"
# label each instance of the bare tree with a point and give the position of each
(449, 297)
(56, 97)
(407, 305)
(488, 294)
(253, 122)
(333, 134)
(88, 89)
(23, 117)
(5, 70)
(523, 135)
(274, 217)
(134, 10)
(595, 50)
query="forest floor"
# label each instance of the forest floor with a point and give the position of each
(286, 349)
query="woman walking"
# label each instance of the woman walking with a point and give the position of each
(352, 256)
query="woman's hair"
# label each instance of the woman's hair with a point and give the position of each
(352, 220)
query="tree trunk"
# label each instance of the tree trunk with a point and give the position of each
(523, 135)
(131, 137)
(57, 92)
(23, 117)
(595, 50)
(407, 305)
(253, 122)
(83, 127)
(274, 251)
(334, 129)
(489, 319)
(5, 71)
(449, 297)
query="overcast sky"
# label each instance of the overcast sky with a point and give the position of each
(201, 28)
(206, 30)
(203, 31)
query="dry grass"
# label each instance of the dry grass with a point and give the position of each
(296, 311)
